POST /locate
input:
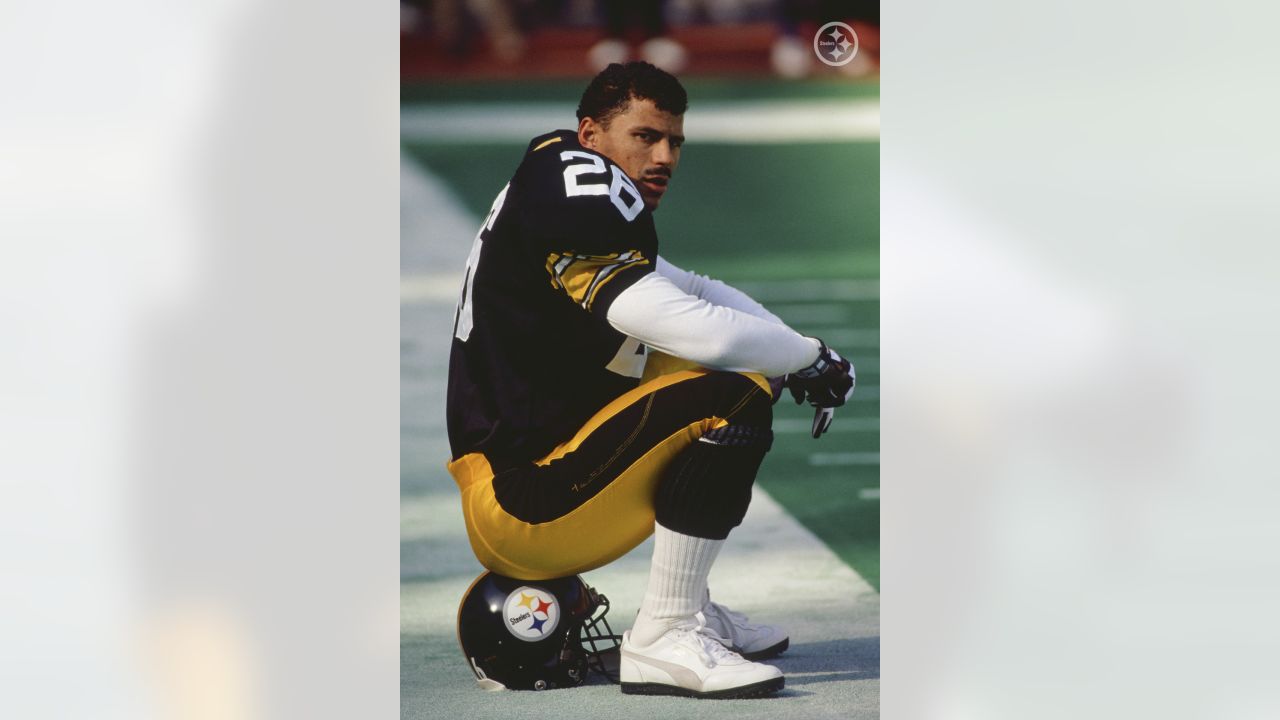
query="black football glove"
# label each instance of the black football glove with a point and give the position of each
(825, 384)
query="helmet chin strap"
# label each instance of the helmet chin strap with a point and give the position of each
(484, 682)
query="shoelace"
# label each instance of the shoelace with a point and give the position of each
(714, 650)
(735, 621)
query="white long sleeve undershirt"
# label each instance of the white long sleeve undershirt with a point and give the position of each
(658, 313)
(713, 291)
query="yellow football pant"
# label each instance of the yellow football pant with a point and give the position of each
(622, 450)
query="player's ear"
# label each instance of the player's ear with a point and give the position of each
(588, 129)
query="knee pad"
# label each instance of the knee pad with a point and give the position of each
(706, 491)
(740, 436)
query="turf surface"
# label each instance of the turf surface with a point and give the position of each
(795, 225)
(760, 216)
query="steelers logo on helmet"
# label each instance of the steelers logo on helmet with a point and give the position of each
(531, 613)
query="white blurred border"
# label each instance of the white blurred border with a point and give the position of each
(198, 283)
(199, 300)
(1078, 299)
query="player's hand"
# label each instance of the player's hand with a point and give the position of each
(822, 419)
(825, 385)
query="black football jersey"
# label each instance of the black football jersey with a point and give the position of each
(533, 356)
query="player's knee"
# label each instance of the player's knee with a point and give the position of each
(759, 437)
(706, 491)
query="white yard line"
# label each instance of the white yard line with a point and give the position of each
(865, 364)
(780, 291)
(869, 494)
(844, 458)
(436, 231)
(865, 393)
(842, 337)
(785, 121)
(430, 287)
(841, 425)
(812, 313)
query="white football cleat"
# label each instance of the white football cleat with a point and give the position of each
(753, 642)
(692, 661)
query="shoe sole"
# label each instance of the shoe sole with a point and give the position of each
(754, 690)
(766, 653)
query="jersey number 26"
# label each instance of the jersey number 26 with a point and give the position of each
(593, 165)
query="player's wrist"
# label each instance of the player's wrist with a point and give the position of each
(824, 383)
(822, 363)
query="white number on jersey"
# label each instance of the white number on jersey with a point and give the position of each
(462, 320)
(595, 166)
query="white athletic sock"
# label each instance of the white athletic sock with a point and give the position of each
(677, 582)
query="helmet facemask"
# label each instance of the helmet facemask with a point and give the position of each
(597, 637)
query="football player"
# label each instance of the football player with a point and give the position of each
(565, 458)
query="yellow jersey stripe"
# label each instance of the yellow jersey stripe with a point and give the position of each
(546, 143)
(611, 275)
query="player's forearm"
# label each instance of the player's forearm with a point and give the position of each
(714, 291)
(658, 313)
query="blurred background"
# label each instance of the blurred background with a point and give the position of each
(473, 39)
(777, 193)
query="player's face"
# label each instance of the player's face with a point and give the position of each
(642, 140)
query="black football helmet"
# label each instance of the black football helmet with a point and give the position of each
(534, 634)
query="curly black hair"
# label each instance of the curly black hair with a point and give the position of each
(611, 91)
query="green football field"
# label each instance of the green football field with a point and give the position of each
(760, 216)
(794, 222)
